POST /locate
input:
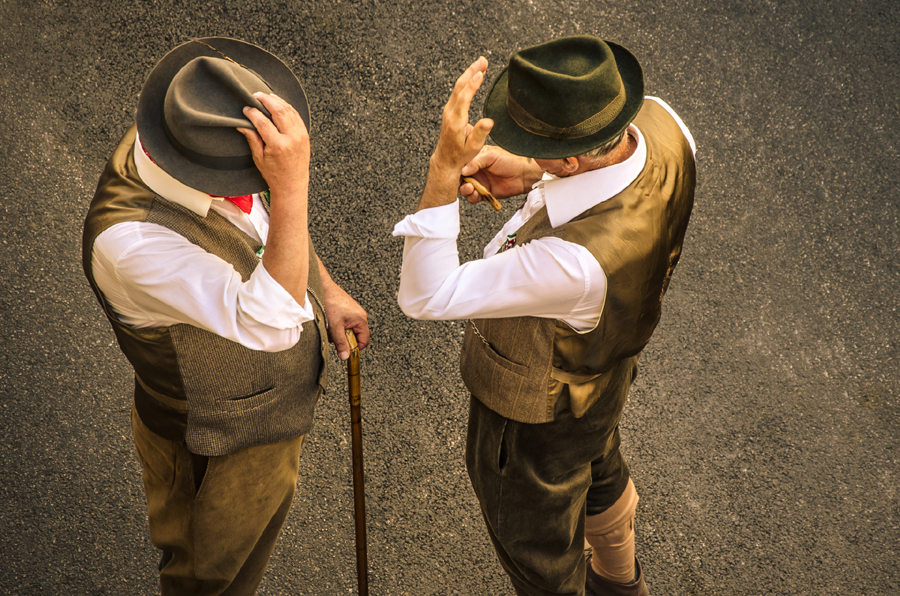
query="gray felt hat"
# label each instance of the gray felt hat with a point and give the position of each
(192, 102)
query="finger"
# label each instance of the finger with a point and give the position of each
(479, 162)
(264, 127)
(339, 339)
(284, 116)
(463, 100)
(466, 86)
(480, 65)
(482, 161)
(254, 140)
(474, 142)
(362, 334)
(469, 192)
(479, 134)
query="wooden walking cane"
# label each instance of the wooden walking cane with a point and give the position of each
(359, 488)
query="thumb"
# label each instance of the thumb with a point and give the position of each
(480, 133)
(477, 137)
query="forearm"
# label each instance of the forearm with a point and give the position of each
(440, 187)
(281, 151)
(343, 312)
(287, 247)
(427, 265)
(545, 278)
(329, 286)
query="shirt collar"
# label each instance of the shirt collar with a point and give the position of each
(167, 187)
(567, 197)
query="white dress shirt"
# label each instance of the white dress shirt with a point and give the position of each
(154, 277)
(548, 277)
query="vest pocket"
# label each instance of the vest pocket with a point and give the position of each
(474, 342)
(251, 396)
(243, 403)
(510, 389)
(219, 426)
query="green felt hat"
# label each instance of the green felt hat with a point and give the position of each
(564, 97)
(192, 102)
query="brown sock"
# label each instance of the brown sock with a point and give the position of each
(611, 537)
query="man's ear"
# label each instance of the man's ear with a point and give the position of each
(570, 164)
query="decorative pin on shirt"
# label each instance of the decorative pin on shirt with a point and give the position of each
(509, 242)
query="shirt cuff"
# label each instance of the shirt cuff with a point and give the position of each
(266, 301)
(435, 222)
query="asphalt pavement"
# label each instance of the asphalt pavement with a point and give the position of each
(762, 432)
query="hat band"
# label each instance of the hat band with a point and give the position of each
(585, 128)
(238, 162)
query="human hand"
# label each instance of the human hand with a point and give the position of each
(343, 312)
(500, 172)
(459, 141)
(280, 145)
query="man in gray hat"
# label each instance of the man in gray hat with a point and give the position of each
(567, 295)
(197, 246)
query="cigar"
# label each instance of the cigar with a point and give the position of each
(484, 193)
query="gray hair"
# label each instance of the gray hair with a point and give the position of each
(606, 147)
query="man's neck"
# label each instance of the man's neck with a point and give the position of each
(622, 152)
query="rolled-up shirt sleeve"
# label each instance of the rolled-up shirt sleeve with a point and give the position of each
(153, 277)
(430, 255)
(548, 277)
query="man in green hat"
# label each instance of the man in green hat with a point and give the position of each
(197, 246)
(567, 295)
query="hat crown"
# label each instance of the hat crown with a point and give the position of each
(192, 102)
(204, 105)
(565, 82)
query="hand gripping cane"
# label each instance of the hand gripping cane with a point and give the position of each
(359, 489)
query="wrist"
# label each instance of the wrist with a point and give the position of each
(329, 286)
(440, 189)
(440, 170)
(289, 193)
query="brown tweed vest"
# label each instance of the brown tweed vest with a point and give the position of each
(529, 368)
(192, 385)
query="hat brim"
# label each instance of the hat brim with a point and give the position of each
(510, 136)
(273, 71)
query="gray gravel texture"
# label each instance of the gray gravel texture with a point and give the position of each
(762, 432)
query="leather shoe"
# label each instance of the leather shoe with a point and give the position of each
(595, 585)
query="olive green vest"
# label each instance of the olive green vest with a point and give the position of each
(192, 385)
(529, 368)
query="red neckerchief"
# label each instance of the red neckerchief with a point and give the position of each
(244, 203)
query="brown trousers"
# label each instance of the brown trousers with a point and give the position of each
(536, 483)
(215, 519)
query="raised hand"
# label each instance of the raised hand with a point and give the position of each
(459, 142)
